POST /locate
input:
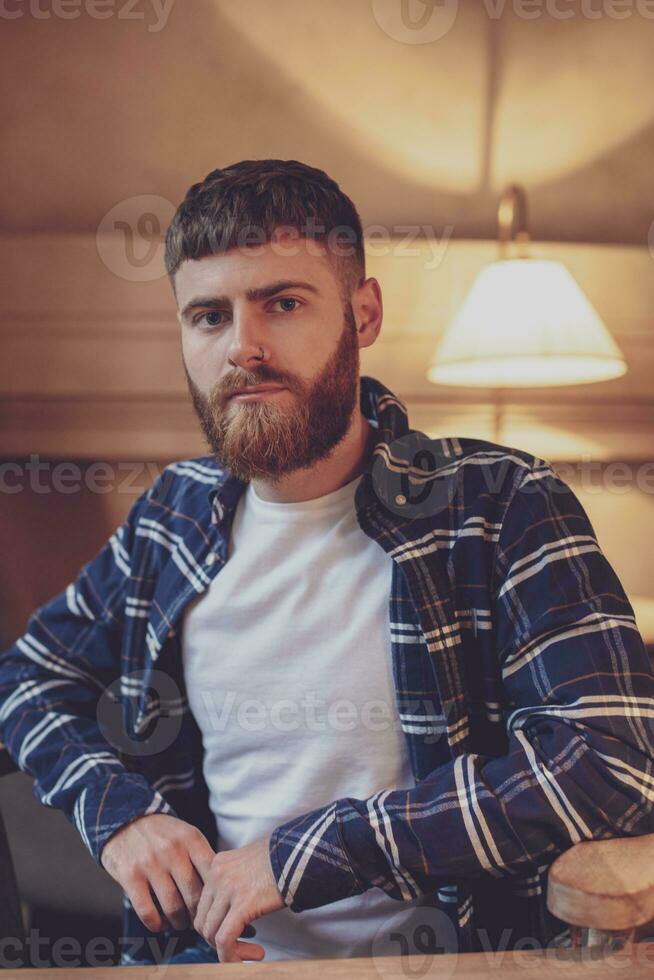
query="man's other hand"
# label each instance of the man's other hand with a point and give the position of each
(240, 886)
(161, 854)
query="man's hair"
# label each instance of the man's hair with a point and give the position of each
(243, 204)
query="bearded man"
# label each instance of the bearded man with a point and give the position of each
(372, 683)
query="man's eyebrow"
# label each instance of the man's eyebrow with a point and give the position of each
(253, 295)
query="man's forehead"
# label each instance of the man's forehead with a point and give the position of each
(246, 266)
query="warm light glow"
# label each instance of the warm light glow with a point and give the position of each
(643, 607)
(525, 322)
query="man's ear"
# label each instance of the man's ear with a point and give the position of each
(368, 309)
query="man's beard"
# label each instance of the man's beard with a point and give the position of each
(267, 438)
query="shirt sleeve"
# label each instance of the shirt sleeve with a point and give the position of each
(580, 758)
(51, 680)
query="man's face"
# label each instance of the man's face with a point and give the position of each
(282, 297)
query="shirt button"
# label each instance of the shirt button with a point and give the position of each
(210, 559)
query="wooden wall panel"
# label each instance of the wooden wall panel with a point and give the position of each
(90, 361)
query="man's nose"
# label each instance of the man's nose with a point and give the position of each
(247, 340)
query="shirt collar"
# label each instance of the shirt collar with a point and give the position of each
(380, 406)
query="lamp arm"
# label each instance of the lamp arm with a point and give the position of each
(512, 218)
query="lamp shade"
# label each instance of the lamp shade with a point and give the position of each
(525, 322)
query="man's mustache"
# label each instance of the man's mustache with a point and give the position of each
(235, 383)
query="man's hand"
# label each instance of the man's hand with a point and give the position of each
(163, 853)
(240, 886)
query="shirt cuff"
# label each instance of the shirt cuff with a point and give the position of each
(103, 809)
(310, 863)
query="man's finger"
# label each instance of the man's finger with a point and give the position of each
(214, 917)
(228, 946)
(202, 911)
(141, 898)
(202, 854)
(245, 951)
(190, 885)
(170, 900)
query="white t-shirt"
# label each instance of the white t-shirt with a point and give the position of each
(287, 663)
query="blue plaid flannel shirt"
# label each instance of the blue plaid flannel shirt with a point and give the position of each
(524, 689)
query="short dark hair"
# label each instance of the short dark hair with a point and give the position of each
(244, 203)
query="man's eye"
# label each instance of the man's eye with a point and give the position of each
(286, 300)
(212, 318)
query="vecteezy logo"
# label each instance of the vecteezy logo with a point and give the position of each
(424, 934)
(415, 478)
(415, 21)
(130, 237)
(116, 714)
